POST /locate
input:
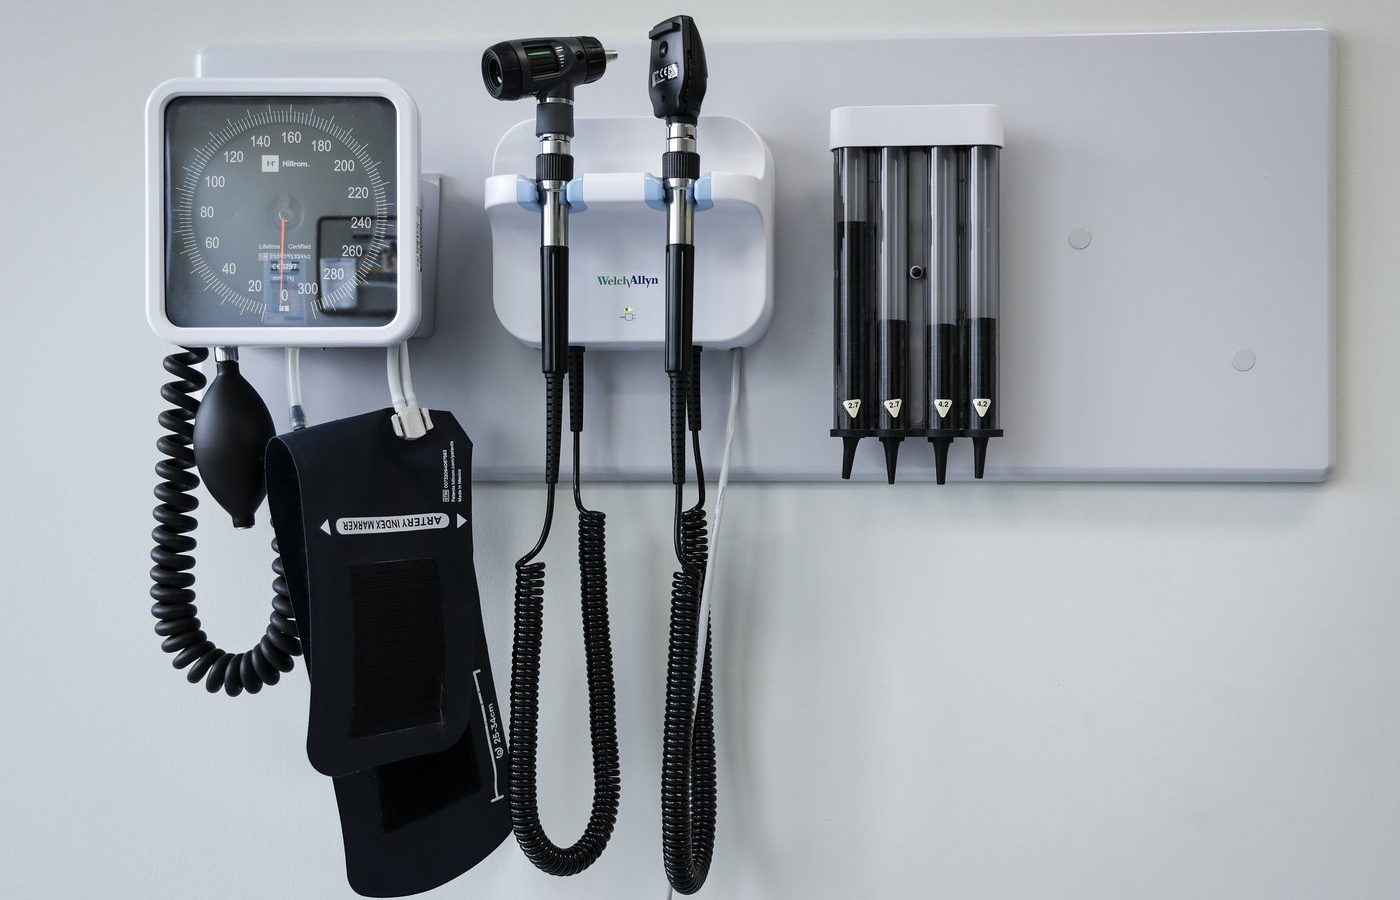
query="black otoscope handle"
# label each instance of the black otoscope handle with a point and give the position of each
(554, 309)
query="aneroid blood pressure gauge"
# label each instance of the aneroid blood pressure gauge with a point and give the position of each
(283, 212)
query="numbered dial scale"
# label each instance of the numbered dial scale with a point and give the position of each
(283, 212)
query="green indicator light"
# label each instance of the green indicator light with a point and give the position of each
(626, 309)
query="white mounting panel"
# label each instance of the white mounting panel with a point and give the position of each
(1199, 167)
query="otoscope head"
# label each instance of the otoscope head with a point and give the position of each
(679, 75)
(542, 68)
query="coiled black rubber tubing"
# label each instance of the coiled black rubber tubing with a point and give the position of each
(689, 807)
(525, 668)
(172, 576)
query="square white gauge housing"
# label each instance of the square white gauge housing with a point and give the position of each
(283, 212)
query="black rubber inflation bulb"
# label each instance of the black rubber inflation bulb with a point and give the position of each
(231, 431)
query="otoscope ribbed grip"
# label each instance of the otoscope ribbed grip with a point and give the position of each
(172, 576)
(693, 388)
(553, 425)
(576, 389)
(679, 390)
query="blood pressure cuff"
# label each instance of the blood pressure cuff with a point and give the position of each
(375, 538)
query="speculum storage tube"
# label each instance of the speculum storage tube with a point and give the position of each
(945, 412)
(892, 303)
(854, 412)
(983, 299)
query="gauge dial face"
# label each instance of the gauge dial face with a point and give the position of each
(280, 212)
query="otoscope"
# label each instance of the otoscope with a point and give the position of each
(678, 78)
(549, 69)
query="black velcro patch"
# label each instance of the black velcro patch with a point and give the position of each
(399, 649)
(411, 789)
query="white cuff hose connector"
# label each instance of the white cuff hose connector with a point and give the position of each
(410, 420)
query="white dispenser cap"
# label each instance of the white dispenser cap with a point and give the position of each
(965, 125)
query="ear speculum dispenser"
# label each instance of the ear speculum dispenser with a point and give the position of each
(917, 286)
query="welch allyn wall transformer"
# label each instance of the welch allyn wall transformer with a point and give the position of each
(917, 277)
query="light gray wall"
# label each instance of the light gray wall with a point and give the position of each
(1114, 691)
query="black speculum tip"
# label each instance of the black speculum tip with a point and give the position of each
(979, 456)
(848, 454)
(940, 457)
(891, 456)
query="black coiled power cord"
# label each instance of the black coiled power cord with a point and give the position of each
(172, 576)
(688, 773)
(597, 648)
